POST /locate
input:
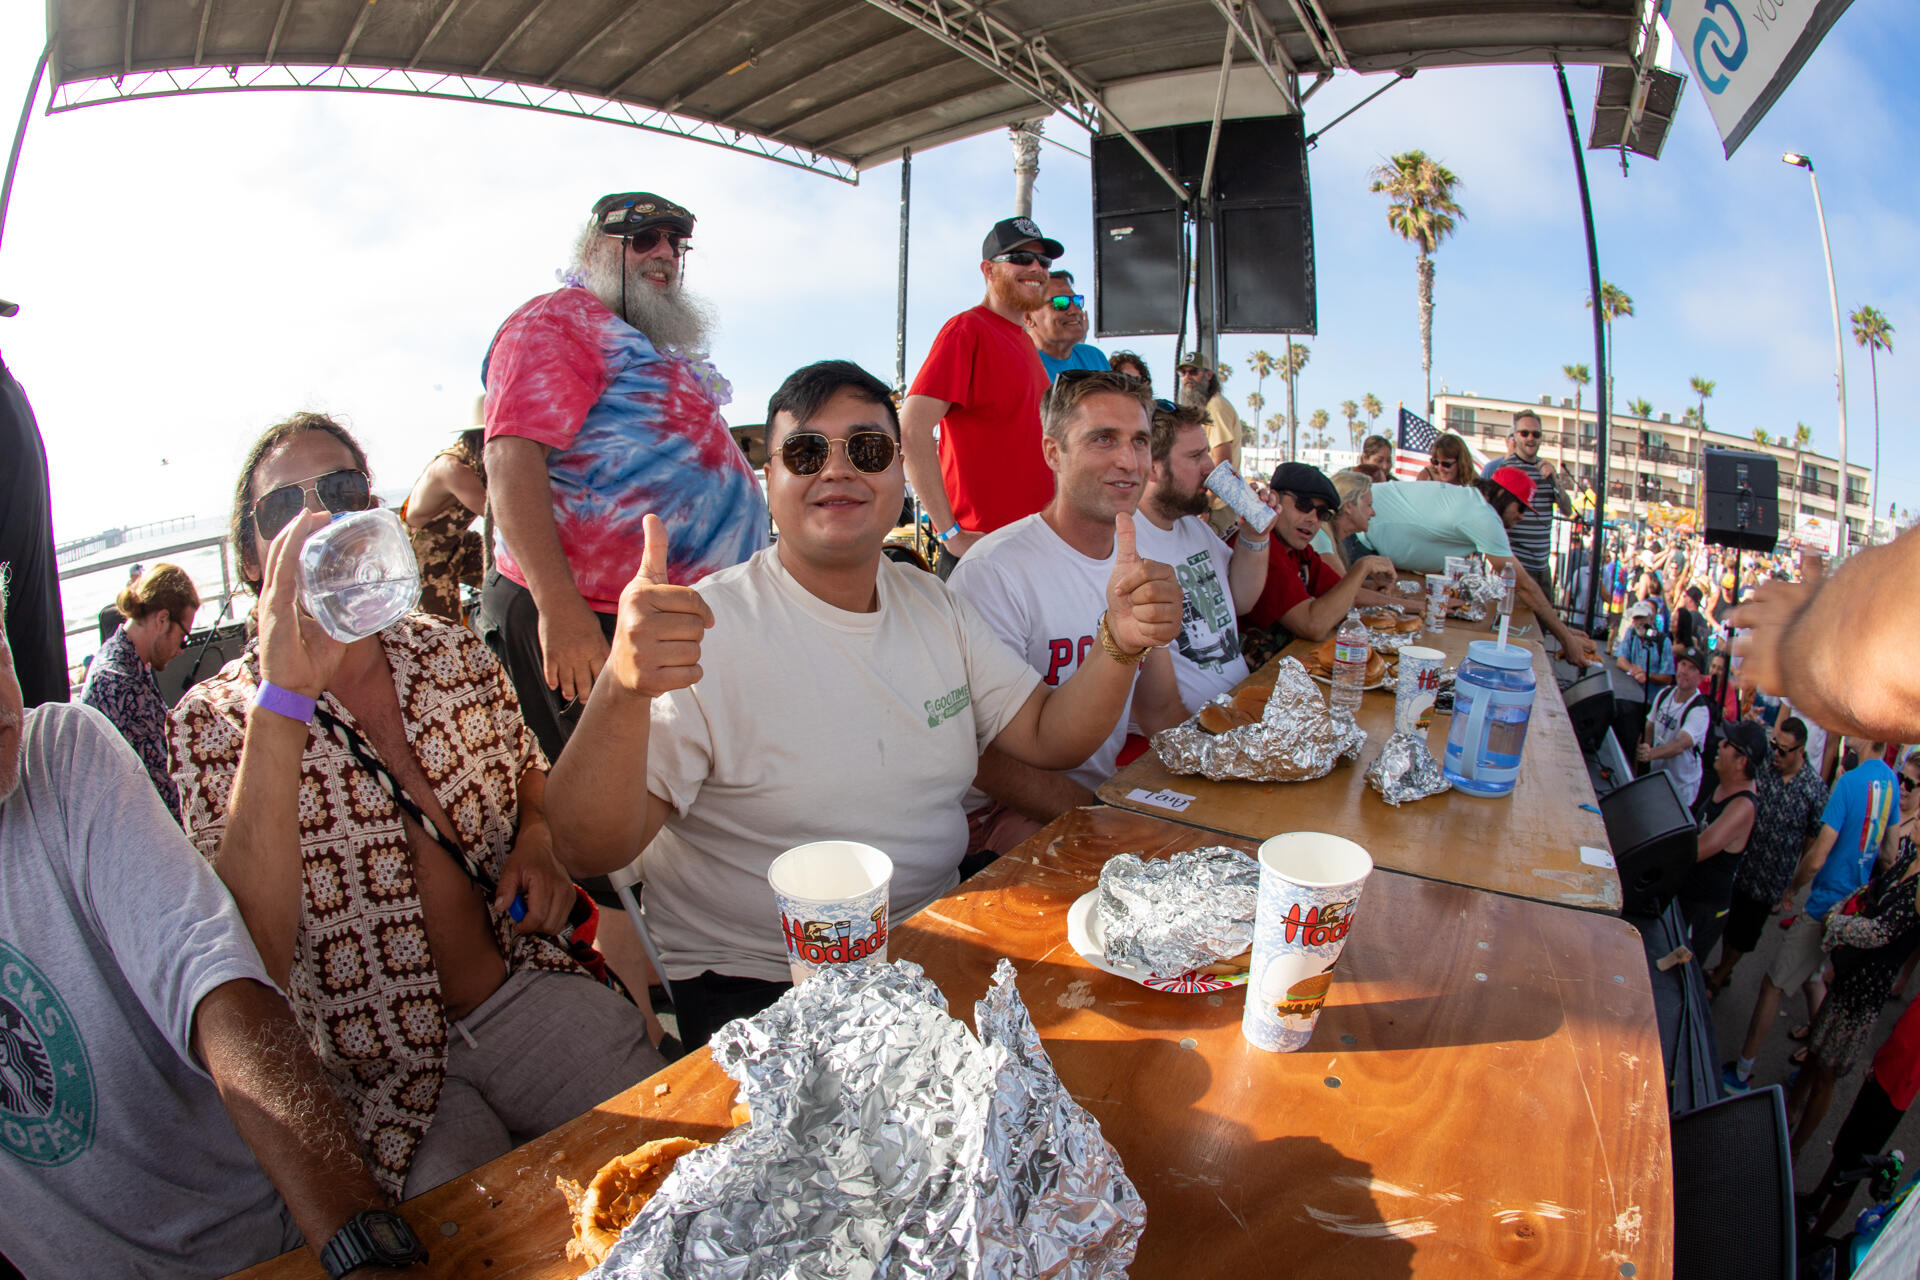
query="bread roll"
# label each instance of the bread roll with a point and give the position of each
(603, 1208)
(1218, 717)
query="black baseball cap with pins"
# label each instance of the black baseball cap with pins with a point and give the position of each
(1011, 233)
(631, 212)
(1305, 481)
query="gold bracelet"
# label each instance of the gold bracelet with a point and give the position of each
(1113, 648)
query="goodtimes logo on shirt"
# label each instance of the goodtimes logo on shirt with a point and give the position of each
(46, 1083)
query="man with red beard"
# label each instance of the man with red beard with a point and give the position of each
(982, 383)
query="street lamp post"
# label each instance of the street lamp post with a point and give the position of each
(1839, 357)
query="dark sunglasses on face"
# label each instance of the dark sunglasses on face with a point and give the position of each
(337, 491)
(805, 452)
(1782, 749)
(1907, 783)
(1022, 258)
(1304, 505)
(1528, 435)
(644, 241)
(1068, 301)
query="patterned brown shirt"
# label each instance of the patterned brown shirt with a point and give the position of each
(448, 548)
(363, 984)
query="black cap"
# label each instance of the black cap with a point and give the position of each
(1749, 739)
(631, 212)
(1011, 233)
(1304, 481)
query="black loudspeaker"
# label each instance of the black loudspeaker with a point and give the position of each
(1263, 270)
(1655, 842)
(1590, 707)
(1742, 498)
(204, 653)
(1733, 1190)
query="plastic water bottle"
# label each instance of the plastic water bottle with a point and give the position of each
(358, 575)
(1350, 652)
(1506, 589)
(1492, 705)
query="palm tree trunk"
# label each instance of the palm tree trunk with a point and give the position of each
(1873, 477)
(1423, 268)
(1796, 485)
(1293, 424)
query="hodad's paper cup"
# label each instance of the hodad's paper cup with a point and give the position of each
(832, 897)
(1309, 886)
(1416, 685)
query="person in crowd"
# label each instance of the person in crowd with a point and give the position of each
(376, 809)
(151, 1072)
(157, 610)
(36, 622)
(1644, 667)
(1868, 946)
(895, 675)
(1837, 862)
(1838, 645)
(1040, 583)
(1727, 813)
(1690, 625)
(1303, 595)
(1418, 526)
(1133, 366)
(1448, 462)
(601, 406)
(1339, 539)
(981, 385)
(1532, 535)
(1199, 388)
(1675, 739)
(1376, 458)
(1791, 801)
(1653, 591)
(449, 493)
(1893, 1079)
(1721, 689)
(1217, 582)
(1057, 326)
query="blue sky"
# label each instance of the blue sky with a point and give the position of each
(193, 269)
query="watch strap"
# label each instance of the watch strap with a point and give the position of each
(348, 1250)
(284, 702)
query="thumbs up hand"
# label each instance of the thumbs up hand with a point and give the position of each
(1143, 596)
(656, 642)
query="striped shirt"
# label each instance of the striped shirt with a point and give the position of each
(1531, 537)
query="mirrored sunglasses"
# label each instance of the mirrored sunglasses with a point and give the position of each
(805, 453)
(337, 491)
(1067, 301)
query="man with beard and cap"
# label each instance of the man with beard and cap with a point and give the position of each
(981, 385)
(1197, 386)
(1058, 325)
(602, 408)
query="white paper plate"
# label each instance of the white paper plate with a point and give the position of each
(1083, 934)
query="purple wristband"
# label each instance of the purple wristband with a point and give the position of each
(284, 702)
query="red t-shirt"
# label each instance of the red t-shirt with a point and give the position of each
(1897, 1065)
(1292, 577)
(990, 461)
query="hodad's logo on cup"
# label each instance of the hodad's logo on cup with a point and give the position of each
(832, 897)
(1309, 889)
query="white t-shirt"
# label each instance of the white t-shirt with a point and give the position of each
(116, 1155)
(1671, 716)
(1045, 600)
(812, 723)
(1417, 524)
(1206, 660)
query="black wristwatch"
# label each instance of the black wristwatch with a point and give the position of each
(371, 1236)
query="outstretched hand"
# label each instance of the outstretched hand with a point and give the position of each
(1143, 596)
(295, 652)
(1761, 624)
(656, 642)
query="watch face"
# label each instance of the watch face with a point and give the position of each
(389, 1233)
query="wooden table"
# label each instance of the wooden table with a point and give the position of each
(1527, 845)
(1483, 1095)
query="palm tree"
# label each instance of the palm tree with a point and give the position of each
(1640, 408)
(1703, 388)
(1274, 427)
(1579, 375)
(1874, 332)
(1421, 211)
(1614, 302)
(1371, 403)
(1255, 403)
(1802, 437)
(1350, 410)
(1319, 422)
(1760, 436)
(1290, 366)
(1264, 366)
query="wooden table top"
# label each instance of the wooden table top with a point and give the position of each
(1482, 1096)
(1527, 844)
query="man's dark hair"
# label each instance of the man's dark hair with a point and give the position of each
(1693, 594)
(1061, 275)
(1167, 426)
(245, 541)
(806, 391)
(1497, 497)
(1797, 727)
(1127, 357)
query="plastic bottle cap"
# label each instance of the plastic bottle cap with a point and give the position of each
(1510, 658)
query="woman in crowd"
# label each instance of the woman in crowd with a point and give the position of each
(439, 515)
(1449, 462)
(1338, 542)
(158, 609)
(1721, 689)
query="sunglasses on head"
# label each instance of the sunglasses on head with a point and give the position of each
(1022, 258)
(644, 241)
(1067, 301)
(337, 491)
(805, 452)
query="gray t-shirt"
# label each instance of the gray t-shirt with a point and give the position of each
(116, 1155)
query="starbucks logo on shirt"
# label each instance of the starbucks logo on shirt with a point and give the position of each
(46, 1083)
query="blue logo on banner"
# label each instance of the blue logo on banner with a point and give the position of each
(1729, 53)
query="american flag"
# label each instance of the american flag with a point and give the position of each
(1416, 439)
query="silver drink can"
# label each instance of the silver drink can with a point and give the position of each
(1239, 496)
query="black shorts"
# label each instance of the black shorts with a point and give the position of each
(1746, 919)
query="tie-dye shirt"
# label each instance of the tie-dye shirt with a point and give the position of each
(632, 430)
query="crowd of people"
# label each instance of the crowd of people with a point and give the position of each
(338, 926)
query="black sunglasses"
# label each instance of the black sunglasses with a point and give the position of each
(337, 491)
(1067, 301)
(644, 241)
(1907, 783)
(805, 452)
(1528, 435)
(1781, 748)
(1023, 258)
(1319, 509)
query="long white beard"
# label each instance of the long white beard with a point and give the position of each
(1193, 396)
(672, 319)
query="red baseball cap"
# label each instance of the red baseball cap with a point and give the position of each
(1516, 482)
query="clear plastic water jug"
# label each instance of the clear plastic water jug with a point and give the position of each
(358, 575)
(1492, 704)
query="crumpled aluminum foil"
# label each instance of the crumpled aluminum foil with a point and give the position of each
(1476, 594)
(1298, 738)
(886, 1141)
(1406, 770)
(1169, 915)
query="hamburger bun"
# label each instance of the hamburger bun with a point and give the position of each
(602, 1209)
(1253, 700)
(1407, 626)
(1376, 668)
(1380, 618)
(1218, 717)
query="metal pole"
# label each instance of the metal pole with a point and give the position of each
(1839, 372)
(20, 133)
(900, 311)
(1603, 402)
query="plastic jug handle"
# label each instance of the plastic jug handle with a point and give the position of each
(1476, 726)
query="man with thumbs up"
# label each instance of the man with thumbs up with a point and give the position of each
(1041, 584)
(818, 691)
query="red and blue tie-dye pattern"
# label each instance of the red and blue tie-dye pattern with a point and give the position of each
(632, 431)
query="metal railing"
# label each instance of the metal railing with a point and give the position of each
(147, 555)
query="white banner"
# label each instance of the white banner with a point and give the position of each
(1744, 53)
